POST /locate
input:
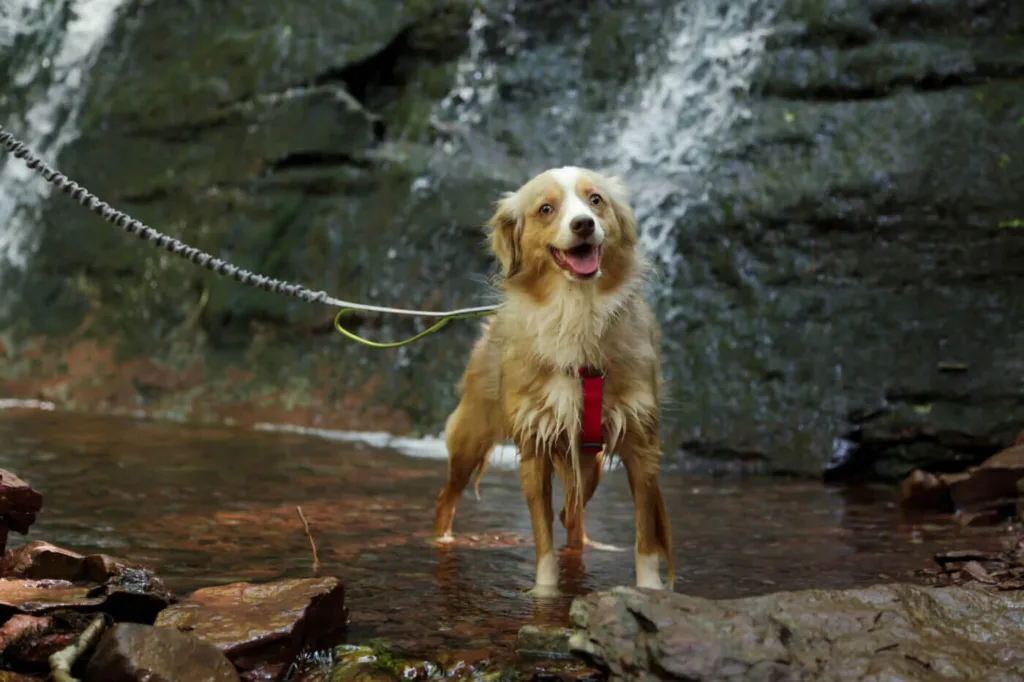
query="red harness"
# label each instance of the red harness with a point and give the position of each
(591, 435)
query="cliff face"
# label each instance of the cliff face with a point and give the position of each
(833, 190)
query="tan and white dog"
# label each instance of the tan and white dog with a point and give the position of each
(573, 348)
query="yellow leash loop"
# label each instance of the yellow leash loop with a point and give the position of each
(395, 344)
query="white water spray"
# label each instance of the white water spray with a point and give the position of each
(663, 144)
(52, 79)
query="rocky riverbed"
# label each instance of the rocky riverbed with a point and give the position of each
(191, 542)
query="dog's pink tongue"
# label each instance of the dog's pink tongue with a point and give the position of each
(585, 263)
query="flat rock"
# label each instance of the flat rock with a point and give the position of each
(898, 631)
(131, 652)
(19, 502)
(135, 596)
(39, 560)
(254, 623)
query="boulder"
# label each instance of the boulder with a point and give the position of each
(256, 624)
(989, 490)
(131, 652)
(900, 631)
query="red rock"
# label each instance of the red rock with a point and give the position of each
(992, 485)
(39, 560)
(925, 491)
(20, 626)
(263, 623)
(134, 596)
(37, 650)
(19, 503)
(130, 652)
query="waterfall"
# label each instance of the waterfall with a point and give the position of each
(52, 47)
(663, 143)
(662, 136)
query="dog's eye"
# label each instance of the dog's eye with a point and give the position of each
(546, 209)
(595, 199)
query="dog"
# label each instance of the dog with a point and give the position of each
(568, 368)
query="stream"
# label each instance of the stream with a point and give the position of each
(209, 504)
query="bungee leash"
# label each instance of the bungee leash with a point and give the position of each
(205, 260)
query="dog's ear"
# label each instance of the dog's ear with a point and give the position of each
(505, 230)
(618, 196)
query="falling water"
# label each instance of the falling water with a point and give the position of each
(52, 48)
(663, 143)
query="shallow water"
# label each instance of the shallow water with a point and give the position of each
(206, 505)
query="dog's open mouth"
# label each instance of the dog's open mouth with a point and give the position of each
(581, 261)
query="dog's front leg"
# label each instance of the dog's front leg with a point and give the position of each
(640, 453)
(535, 477)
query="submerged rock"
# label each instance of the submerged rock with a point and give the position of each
(906, 632)
(534, 640)
(259, 623)
(130, 652)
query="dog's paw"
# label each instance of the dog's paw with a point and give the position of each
(443, 540)
(603, 547)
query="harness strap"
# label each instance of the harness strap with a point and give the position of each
(591, 436)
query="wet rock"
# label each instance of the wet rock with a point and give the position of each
(906, 632)
(20, 626)
(992, 485)
(533, 640)
(131, 652)
(27, 642)
(135, 595)
(1003, 571)
(43, 596)
(132, 592)
(764, 173)
(39, 560)
(989, 491)
(924, 491)
(263, 623)
(19, 504)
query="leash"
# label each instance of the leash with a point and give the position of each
(205, 260)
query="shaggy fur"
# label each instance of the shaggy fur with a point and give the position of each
(561, 312)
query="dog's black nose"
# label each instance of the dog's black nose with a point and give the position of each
(582, 226)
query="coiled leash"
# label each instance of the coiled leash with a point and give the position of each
(205, 260)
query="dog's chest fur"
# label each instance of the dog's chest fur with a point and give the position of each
(550, 342)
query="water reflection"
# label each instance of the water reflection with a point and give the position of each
(210, 504)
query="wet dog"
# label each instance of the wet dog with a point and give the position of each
(568, 368)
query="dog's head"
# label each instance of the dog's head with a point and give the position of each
(566, 224)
